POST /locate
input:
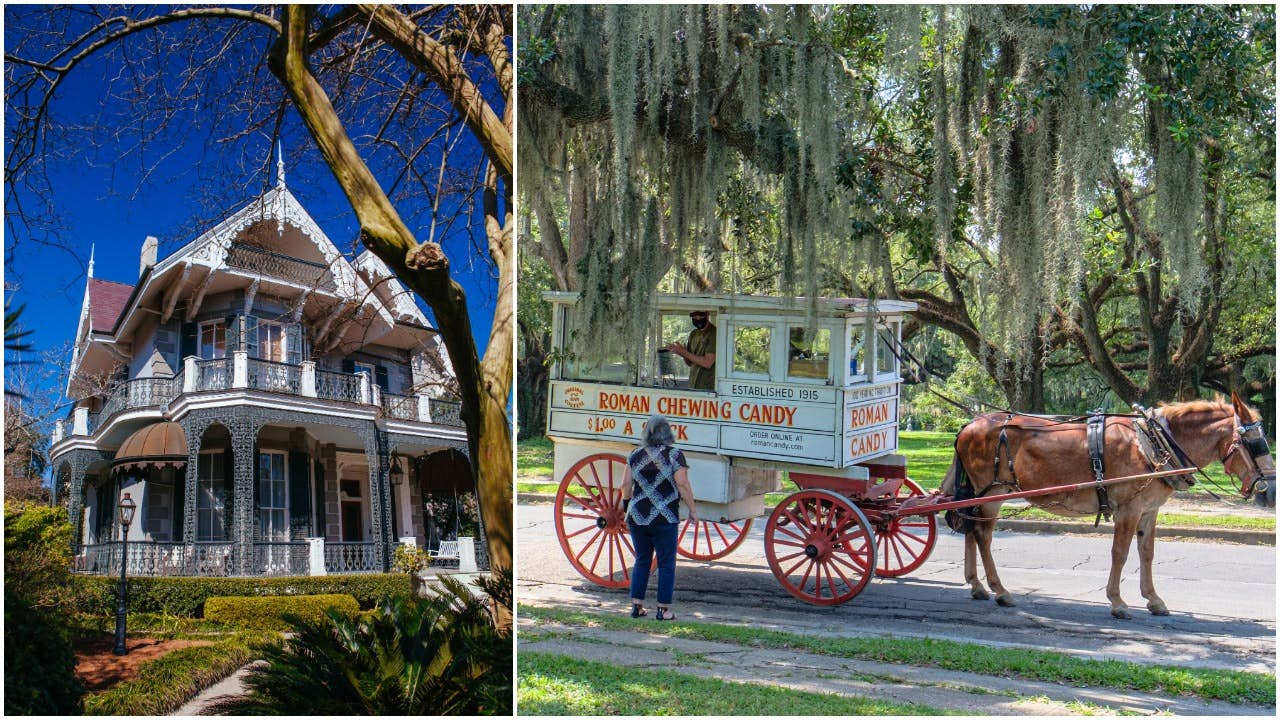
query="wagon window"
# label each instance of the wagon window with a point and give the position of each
(809, 352)
(886, 360)
(857, 352)
(614, 363)
(751, 350)
(672, 370)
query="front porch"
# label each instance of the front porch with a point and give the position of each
(255, 491)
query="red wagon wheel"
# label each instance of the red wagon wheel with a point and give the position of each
(905, 543)
(590, 521)
(820, 547)
(706, 540)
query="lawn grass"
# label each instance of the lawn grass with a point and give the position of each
(1228, 685)
(1237, 522)
(552, 684)
(163, 685)
(534, 460)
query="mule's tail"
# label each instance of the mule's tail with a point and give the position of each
(957, 485)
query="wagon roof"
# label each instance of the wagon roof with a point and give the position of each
(749, 303)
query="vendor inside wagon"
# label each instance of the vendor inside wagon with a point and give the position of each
(699, 351)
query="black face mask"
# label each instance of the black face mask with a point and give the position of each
(699, 322)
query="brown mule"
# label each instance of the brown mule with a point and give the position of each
(1040, 452)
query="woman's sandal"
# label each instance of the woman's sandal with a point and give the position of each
(664, 614)
(639, 611)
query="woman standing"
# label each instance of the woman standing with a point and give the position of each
(657, 479)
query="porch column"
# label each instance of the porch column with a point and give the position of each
(75, 501)
(190, 479)
(482, 540)
(377, 456)
(243, 439)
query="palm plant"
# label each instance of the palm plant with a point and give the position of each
(442, 655)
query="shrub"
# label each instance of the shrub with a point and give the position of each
(438, 656)
(268, 613)
(185, 597)
(39, 662)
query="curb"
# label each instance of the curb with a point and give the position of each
(1063, 527)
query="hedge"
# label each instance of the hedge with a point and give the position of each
(267, 613)
(185, 597)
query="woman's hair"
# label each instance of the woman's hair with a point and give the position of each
(657, 431)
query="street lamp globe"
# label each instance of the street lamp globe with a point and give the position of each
(127, 508)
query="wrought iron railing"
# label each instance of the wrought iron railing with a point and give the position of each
(156, 559)
(350, 557)
(280, 558)
(273, 264)
(402, 407)
(214, 374)
(446, 412)
(338, 386)
(275, 376)
(137, 393)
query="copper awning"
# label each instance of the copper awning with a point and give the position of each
(159, 445)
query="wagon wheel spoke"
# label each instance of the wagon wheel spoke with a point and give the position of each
(589, 522)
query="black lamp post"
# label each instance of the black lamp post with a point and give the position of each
(127, 506)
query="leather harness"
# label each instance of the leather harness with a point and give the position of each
(1096, 431)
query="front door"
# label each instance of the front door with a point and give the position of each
(352, 530)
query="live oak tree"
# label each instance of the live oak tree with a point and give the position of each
(981, 161)
(382, 91)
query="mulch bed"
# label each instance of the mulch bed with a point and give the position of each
(100, 669)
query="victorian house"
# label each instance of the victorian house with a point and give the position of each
(270, 406)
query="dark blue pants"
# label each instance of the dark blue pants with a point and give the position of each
(660, 538)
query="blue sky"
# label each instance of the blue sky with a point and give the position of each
(110, 193)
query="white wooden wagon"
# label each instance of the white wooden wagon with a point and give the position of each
(813, 395)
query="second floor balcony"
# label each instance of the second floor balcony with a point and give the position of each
(241, 372)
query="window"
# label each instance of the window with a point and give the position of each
(672, 370)
(213, 339)
(809, 353)
(886, 360)
(271, 341)
(158, 522)
(211, 495)
(273, 504)
(613, 362)
(363, 367)
(751, 350)
(857, 352)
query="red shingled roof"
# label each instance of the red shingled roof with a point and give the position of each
(106, 301)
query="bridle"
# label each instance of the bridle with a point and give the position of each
(1250, 438)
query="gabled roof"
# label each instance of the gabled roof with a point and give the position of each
(107, 300)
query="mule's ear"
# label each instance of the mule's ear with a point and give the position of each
(1242, 410)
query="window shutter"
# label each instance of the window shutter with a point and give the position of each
(257, 481)
(250, 333)
(293, 344)
(179, 514)
(233, 334)
(321, 520)
(348, 365)
(380, 376)
(299, 491)
(188, 341)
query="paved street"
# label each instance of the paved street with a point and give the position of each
(1222, 597)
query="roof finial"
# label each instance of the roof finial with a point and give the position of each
(92, 248)
(279, 164)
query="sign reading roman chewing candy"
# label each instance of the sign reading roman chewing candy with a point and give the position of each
(762, 425)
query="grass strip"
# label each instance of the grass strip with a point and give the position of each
(1229, 685)
(1237, 522)
(163, 685)
(551, 684)
(157, 625)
